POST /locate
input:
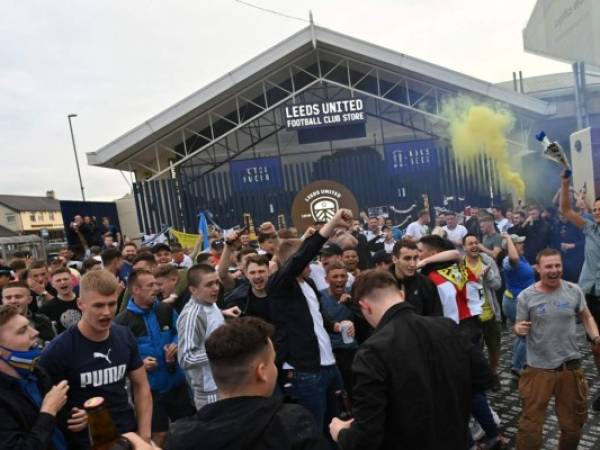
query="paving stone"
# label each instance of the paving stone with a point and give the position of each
(507, 404)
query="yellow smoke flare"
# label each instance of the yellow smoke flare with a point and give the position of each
(477, 129)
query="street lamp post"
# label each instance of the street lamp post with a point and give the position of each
(75, 153)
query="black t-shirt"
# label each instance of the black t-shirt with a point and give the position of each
(258, 307)
(95, 369)
(39, 300)
(63, 313)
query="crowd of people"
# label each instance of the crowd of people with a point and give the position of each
(355, 335)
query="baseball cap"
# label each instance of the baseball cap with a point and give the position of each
(330, 249)
(217, 244)
(381, 256)
(5, 271)
(517, 239)
(158, 247)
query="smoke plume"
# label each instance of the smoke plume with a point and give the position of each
(477, 129)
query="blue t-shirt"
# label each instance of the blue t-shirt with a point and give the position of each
(95, 369)
(124, 272)
(518, 277)
(336, 312)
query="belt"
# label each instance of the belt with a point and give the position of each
(568, 365)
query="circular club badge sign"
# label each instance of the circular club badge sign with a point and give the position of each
(319, 201)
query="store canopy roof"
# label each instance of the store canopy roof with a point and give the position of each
(138, 139)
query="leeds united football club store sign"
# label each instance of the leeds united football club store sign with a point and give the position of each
(326, 113)
(319, 201)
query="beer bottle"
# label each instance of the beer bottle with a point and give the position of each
(102, 429)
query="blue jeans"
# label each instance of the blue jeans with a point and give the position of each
(509, 307)
(316, 392)
(481, 412)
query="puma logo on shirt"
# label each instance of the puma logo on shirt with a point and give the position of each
(103, 356)
(103, 377)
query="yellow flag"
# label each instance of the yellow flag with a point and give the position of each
(186, 240)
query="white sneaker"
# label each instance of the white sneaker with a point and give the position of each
(477, 432)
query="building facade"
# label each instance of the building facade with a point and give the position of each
(319, 105)
(32, 215)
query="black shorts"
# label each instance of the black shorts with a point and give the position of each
(170, 406)
(492, 335)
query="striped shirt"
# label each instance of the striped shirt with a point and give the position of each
(196, 322)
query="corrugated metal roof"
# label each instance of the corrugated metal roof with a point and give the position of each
(551, 82)
(155, 127)
(28, 203)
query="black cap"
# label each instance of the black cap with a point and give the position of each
(158, 247)
(381, 256)
(5, 271)
(217, 244)
(330, 249)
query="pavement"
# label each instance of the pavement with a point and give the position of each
(506, 401)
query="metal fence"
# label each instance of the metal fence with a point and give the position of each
(177, 202)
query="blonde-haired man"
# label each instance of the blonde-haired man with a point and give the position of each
(96, 356)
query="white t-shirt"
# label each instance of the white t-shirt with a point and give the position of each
(503, 225)
(369, 235)
(186, 263)
(457, 234)
(388, 246)
(325, 350)
(416, 231)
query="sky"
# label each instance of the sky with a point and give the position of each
(117, 63)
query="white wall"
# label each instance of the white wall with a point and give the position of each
(128, 216)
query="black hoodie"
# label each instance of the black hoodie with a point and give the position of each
(247, 423)
(421, 293)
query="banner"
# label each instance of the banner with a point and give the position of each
(410, 157)
(203, 229)
(324, 114)
(186, 240)
(256, 174)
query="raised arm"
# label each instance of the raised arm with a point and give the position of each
(493, 253)
(445, 256)
(342, 218)
(310, 247)
(511, 250)
(226, 279)
(565, 203)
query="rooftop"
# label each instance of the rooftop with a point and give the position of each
(138, 139)
(551, 82)
(29, 203)
(5, 232)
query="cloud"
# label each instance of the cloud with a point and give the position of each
(116, 64)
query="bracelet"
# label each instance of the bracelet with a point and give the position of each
(596, 339)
